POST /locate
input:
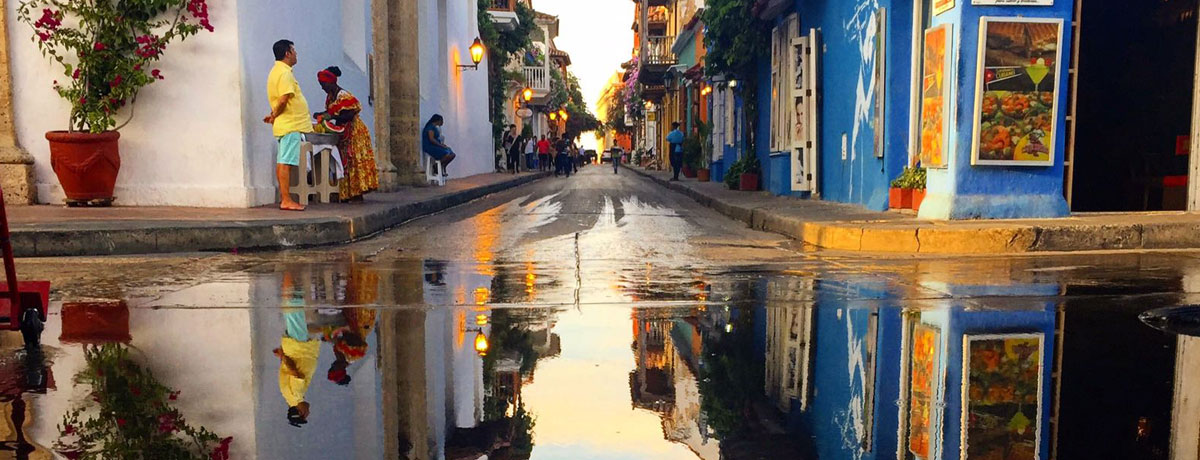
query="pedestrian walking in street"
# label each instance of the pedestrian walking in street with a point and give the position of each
(514, 153)
(574, 158)
(561, 158)
(530, 157)
(509, 138)
(675, 140)
(288, 119)
(434, 143)
(341, 116)
(543, 151)
(615, 154)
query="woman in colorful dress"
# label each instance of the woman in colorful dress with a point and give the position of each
(341, 116)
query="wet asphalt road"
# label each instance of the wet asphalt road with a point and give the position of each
(603, 317)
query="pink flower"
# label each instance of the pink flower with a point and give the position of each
(68, 430)
(43, 36)
(173, 396)
(221, 452)
(71, 454)
(75, 75)
(121, 422)
(98, 46)
(156, 74)
(116, 82)
(83, 101)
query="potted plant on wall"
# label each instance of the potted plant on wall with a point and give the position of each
(108, 50)
(900, 195)
(918, 187)
(705, 135)
(743, 174)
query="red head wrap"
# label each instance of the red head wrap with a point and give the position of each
(326, 76)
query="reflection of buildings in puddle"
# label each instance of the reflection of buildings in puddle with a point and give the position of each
(667, 348)
(789, 338)
(24, 376)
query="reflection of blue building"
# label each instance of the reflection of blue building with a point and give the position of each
(855, 397)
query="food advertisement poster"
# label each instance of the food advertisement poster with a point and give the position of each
(1016, 100)
(1002, 396)
(922, 384)
(935, 96)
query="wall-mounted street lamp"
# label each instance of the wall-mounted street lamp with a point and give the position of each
(527, 94)
(553, 116)
(706, 90)
(733, 83)
(563, 114)
(476, 55)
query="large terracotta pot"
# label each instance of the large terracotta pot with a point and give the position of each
(749, 182)
(95, 322)
(917, 197)
(900, 198)
(702, 175)
(86, 165)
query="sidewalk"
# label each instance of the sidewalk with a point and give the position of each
(51, 230)
(843, 227)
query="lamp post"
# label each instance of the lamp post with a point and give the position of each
(476, 55)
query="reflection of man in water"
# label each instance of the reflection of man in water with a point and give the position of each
(297, 353)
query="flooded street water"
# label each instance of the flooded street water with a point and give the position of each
(602, 317)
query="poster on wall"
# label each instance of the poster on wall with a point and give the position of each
(1013, 2)
(923, 382)
(1002, 396)
(942, 6)
(935, 97)
(1017, 98)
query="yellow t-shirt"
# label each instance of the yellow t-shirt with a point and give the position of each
(293, 385)
(294, 118)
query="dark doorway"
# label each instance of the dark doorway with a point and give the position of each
(1134, 105)
(1118, 375)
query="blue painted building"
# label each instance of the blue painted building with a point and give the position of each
(865, 64)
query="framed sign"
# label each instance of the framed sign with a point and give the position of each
(935, 97)
(942, 6)
(1013, 2)
(923, 387)
(1002, 396)
(1016, 95)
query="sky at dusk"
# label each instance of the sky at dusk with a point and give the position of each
(597, 34)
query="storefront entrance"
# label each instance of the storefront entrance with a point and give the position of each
(1132, 118)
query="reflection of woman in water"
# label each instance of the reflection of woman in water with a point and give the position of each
(297, 353)
(349, 342)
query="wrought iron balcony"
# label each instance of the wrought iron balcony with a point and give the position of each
(656, 51)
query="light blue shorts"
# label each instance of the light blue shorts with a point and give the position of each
(289, 149)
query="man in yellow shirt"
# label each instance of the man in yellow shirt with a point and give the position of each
(288, 118)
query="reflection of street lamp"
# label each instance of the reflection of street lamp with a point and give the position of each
(481, 343)
(476, 55)
(481, 319)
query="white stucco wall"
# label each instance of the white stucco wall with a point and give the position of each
(316, 26)
(184, 145)
(448, 27)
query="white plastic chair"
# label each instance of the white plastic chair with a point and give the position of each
(434, 171)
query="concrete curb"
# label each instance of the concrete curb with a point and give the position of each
(926, 237)
(158, 237)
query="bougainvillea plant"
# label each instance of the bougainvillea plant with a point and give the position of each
(108, 49)
(129, 415)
